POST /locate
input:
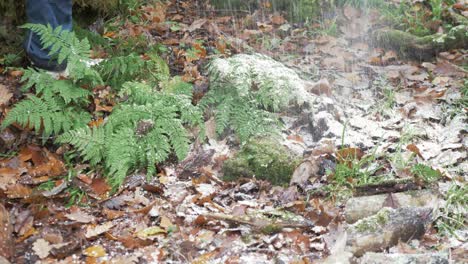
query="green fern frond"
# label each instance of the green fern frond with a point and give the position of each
(118, 70)
(46, 115)
(90, 142)
(62, 43)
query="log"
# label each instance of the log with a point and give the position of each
(382, 258)
(386, 186)
(386, 228)
(423, 48)
(361, 207)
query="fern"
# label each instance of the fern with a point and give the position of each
(118, 70)
(58, 105)
(141, 132)
(66, 47)
(49, 115)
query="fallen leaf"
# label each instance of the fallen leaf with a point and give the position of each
(100, 186)
(165, 222)
(5, 95)
(347, 154)
(277, 19)
(93, 231)
(18, 191)
(413, 148)
(150, 232)
(80, 216)
(197, 24)
(42, 248)
(96, 251)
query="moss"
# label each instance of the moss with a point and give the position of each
(373, 223)
(263, 158)
(271, 229)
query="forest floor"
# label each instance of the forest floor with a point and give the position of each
(382, 130)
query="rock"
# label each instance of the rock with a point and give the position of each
(384, 229)
(260, 72)
(382, 258)
(361, 207)
(263, 158)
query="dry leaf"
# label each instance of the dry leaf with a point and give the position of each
(5, 95)
(150, 232)
(96, 251)
(197, 24)
(80, 216)
(18, 191)
(93, 231)
(165, 222)
(42, 248)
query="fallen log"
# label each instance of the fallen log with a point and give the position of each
(382, 258)
(361, 207)
(423, 48)
(384, 229)
(387, 186)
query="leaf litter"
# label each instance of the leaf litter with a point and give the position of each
(367, 103)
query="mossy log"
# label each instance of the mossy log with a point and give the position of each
(361, 207)
(386, 228)
(408, 45)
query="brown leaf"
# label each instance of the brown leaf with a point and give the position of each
(347, 154)
(80, 216)
(93, 231)
(133, 242)
(277, 19)
(100, 186)
(18, 191)
(112, 214)
(5, 95)
(197, 24)
(413, 148)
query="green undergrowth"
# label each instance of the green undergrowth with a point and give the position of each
(264, 159)
(452, 215)
(144, 128)
(152, 113)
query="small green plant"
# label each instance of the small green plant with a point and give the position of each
(426, 173)
(453, 215)
(353, 171)
(76, 197)
(10, 59)
(141, 132)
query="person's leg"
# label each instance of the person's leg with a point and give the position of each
(53, 12)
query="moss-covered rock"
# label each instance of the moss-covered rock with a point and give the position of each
(263, 158)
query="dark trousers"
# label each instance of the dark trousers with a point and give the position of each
(53, 12)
